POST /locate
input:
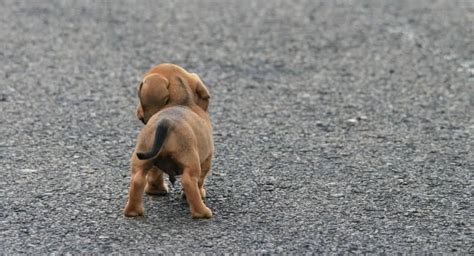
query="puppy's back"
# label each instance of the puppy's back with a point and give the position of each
(175, 129)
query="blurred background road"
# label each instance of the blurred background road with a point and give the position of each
(340, 126)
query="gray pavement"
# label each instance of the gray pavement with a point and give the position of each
(340, 126)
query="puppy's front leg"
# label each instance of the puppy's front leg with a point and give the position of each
(134, 205)
(189, 181)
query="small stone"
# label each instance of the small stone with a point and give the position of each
(304, 95)
(89, 170)
(268, 187)
(419, 159)
(352, 121)
(208, 244)
(28, 170)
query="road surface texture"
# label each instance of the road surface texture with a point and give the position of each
(340, 126)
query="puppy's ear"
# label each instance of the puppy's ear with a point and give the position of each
(139, 110)
(139, 88)
(153, 94)
(153, 88)
(202, 92)
(139, 113)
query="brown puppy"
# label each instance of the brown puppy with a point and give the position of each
(173, 105)
(177, 94)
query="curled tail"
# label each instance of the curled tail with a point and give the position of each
(160, 135)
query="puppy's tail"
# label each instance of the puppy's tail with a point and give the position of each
(160, 135)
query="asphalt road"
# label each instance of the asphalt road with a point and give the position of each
(340, 126)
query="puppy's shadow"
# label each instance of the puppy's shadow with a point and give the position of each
(172, 205)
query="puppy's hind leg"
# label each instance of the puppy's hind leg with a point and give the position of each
(189, 181)
(134, 205)
(205, 168)
(155, 184)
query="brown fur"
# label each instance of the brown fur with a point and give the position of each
(173, 105)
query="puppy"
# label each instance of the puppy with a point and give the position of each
(176, 139)
(176, 78)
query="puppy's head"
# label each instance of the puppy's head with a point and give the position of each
(169, 85)
(153, 95)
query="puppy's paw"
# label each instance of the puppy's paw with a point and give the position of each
(151, 189)
(204, 213)
(133, 211)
